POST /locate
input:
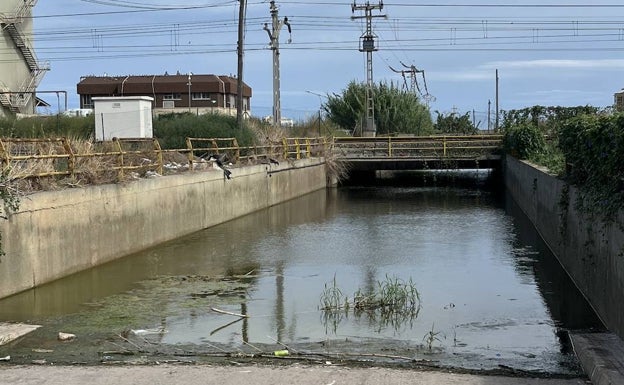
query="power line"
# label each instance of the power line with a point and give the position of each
(184, 8)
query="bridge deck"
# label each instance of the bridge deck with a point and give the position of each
(418, 153)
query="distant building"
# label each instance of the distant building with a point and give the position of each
(198, 94)
(619, 100)
(20, 71)
(285, 122)
(80, 112)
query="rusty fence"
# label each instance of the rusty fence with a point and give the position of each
(60, 157)
(417, 147)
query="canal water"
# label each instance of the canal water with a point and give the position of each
(490, 294)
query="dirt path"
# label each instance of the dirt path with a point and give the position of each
(256, 375)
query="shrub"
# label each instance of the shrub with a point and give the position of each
(524, 140)
(173, 129)
(594, 150)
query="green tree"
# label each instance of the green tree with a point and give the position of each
(454, 123)
(396, 111)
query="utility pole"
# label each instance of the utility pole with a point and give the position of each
(189, 84)
(489, 118)
(274, 33)
(496, 119)
(239, 85)
(320, 111)
(367, 44)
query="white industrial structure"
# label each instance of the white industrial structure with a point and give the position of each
(20, 71)
(123, 117)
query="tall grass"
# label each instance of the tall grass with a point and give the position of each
(173, 129)
(54, 126)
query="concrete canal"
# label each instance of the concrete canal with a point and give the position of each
(491, 296)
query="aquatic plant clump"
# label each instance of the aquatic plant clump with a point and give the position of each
(393, 301)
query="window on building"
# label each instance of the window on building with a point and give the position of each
(86, 101)
(201, 96)
(172, 96)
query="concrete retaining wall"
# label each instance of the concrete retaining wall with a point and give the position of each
(58, 233)
(592, 253)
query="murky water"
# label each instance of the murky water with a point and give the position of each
(491, 294)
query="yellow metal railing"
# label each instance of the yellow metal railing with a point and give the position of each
(416, 147)
(39, 158)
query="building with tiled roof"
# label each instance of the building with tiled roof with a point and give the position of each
(198, 94)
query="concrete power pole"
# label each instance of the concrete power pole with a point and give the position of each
(367, 44)
(241, 39)
(497, 113)
(274, 33)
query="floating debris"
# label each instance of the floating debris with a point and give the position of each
(142, 332)
(281, 353)
(66, 336)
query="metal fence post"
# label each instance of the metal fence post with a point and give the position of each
(71, 160)
(189, 147)
(120, 158)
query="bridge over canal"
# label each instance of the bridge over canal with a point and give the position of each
(419, 152)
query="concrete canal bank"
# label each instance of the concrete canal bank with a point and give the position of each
(57, 233)
(590, 251)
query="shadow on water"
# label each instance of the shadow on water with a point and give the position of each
(491, 293)
(489, 179)
(570, 311)
(206, 253)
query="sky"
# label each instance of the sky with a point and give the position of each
(564, 53)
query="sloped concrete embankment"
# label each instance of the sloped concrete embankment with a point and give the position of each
(57, 233)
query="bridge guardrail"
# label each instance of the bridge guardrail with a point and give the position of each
(434, 147)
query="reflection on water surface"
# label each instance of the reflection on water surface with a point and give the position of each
(490, 292)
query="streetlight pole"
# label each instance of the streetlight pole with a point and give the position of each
(320, 109)
(189, 90)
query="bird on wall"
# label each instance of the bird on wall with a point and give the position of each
(218, 160)
(269, 160)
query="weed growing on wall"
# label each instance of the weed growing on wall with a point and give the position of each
(582, 144)
(533, 133)
(9, 199)
(593, 146)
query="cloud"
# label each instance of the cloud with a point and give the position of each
(518, 68)
(556, 64)
(461, 75)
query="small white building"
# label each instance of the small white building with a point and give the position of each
(78, 112)
(123, 117)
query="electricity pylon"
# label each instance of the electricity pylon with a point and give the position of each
(367, 44)
(274, 33)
